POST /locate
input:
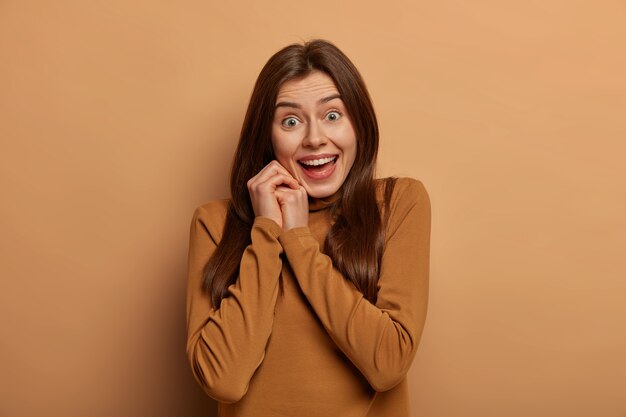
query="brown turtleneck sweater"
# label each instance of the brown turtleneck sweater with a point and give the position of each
(317, 347)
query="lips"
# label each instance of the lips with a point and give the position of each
(318, 167)
(315, 160)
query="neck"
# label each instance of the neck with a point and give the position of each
(321, 203)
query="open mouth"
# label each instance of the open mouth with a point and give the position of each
(320, 168)
(318, 165)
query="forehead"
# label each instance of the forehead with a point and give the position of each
(313, 86)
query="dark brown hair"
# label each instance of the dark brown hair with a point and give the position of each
(355, 241)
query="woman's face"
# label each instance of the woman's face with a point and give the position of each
(312, 134)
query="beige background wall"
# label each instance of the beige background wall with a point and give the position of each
(118, 118)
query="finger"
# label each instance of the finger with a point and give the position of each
(277, 180)
(280, 167)
(271, 174)
(289, 194)
(273, 168)
(283, 189)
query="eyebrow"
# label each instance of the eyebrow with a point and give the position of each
(297, 106)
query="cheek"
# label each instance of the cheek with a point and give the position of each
(282, 149)
(349, 145)
(277, 144)
(351, 157)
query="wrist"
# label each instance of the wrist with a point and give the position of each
(268, 223)
(288, 225)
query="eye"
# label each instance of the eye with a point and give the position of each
(333, 116)
(290, 122)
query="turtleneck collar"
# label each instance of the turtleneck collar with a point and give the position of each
(316, 204)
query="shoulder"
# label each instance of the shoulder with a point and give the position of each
(406, 191)
(408, 197)
(211, 216)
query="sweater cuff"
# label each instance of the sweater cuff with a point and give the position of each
(292, 236)
(268, 225)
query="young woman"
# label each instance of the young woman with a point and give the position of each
(308, 288)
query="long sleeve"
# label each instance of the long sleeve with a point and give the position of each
(381, 340)
(226, 346)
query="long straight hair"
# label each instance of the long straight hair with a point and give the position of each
(355, 242)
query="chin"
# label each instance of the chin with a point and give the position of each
(321, 190)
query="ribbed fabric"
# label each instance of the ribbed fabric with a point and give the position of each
(294, 338)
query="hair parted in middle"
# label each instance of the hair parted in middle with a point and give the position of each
(355, 241)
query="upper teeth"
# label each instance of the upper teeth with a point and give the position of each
(318, 161)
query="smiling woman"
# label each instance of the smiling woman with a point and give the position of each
(308, 288)
(312, 135)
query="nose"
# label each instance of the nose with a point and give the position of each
(315, 136)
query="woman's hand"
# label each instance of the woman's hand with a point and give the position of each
(294, 205)
(263, 186)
